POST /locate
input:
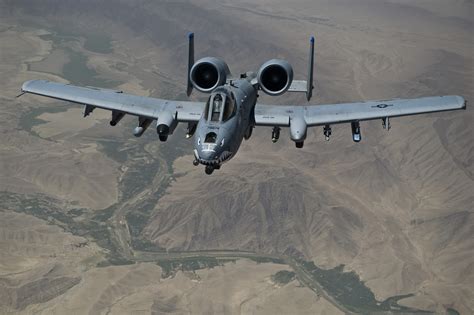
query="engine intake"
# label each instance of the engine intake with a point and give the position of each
(208, 73)
(275, 77)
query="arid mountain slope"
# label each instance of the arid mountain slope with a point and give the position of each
(396, 208)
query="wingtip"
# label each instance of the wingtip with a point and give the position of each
(24, 87)
(462, 102)
(29, 85)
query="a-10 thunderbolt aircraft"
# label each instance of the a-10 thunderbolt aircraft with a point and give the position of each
(232, 111)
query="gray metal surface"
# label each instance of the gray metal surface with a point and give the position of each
(315, 115)
(115, 100)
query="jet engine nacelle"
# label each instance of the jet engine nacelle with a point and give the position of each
(298, 129)
(275, 77)
(208, 73)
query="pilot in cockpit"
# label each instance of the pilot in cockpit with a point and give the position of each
(216, 107)
(220, 107)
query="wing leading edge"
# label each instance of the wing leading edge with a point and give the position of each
(146, 107)
(317, 115)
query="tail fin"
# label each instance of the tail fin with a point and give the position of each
(302, 85)
(190, 62)
(310, 86)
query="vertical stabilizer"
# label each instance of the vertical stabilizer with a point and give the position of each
(190, 62)
(310, 86)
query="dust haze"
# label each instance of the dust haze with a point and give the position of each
(96, 221)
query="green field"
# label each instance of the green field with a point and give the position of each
(266, 260)
(283, 277)
(352, 293)
(452, 311)
(171, 266)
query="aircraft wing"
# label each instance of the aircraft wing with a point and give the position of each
(316, 115)
(116, 101)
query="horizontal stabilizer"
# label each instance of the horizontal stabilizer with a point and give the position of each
(298, 86)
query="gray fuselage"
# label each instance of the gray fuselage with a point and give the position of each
(226, 120)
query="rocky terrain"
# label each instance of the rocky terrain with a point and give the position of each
(83, 204)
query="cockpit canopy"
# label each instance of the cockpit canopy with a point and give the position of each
(220, 107)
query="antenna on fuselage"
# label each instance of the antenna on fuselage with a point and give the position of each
(310, 86)
(190, 62)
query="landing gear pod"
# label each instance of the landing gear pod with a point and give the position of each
(299, 144)
(165, 125)
(298, 129)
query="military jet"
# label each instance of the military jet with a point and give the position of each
(231, 111)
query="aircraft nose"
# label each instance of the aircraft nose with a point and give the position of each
(207, 155)
(211, 157)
